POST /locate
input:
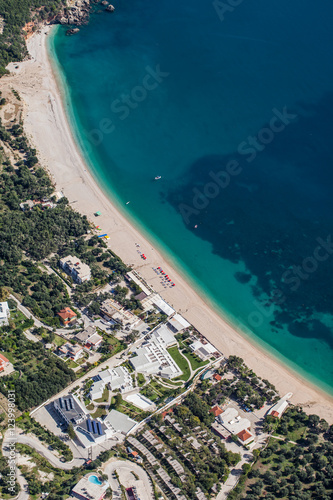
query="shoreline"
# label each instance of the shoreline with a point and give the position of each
(46, 124)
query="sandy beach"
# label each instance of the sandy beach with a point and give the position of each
(47, 128)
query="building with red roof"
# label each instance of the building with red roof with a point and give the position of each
(217, 377)
(245, 436)
(67, 316)
(3, 362)
(216, 411)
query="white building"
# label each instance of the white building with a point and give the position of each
(71, 351)
(163, 336)
(162, 306)
(280, 407)
(119, 422)
(79, 271)
(90, 338)
(177, 323)
(153, 358)
(204, 350)
(233, 422)
(113, 378)
(111, 309)
(4, 313)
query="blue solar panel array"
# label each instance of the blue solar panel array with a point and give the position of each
(94, 426)
(89, 425)
(100, 432)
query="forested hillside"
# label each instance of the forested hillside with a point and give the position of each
(14, 14)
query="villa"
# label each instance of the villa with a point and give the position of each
(67, 316)
(90, 338)
(79, 271)
(71, 351)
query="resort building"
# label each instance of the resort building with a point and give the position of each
(112, 310)
(71, 351)
(280, 407)
(89, 432)
(163, 336)
(153, 358)
(89, 338)
(4, 313)
(177, 323)
(236, 424)
(114, 379)
(89, 489)
(67, 316)
(162, 306)
(119, 422)
(79, 271)
(204, 350)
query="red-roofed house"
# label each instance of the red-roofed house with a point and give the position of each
(245, 436)
(3, 362)
(216, 411)
(67, 316)
(217, 377)
(275, 414)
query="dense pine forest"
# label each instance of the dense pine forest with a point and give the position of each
(14, 14)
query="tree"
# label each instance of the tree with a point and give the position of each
(70, 431)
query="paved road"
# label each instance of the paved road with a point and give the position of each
(124, 469)
(42, 450)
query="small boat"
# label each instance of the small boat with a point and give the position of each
(158, 177)
(128, 202)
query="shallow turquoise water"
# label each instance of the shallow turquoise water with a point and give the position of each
(172, 90)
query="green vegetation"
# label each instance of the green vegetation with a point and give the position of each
(16, 14)
(28, 424)
(205, 464)
(292, 471)
(195, 361)
(181, 362)
(39, 374)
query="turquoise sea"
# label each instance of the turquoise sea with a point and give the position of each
(232, 107)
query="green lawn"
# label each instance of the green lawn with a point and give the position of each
(59, 341)
(104, 398)
(141, 379)
(181, 362)
(72, 364)
(195, 361)
(98, 413)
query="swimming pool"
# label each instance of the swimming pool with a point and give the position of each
(95, 480)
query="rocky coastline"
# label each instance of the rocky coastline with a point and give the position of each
(77, 13)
